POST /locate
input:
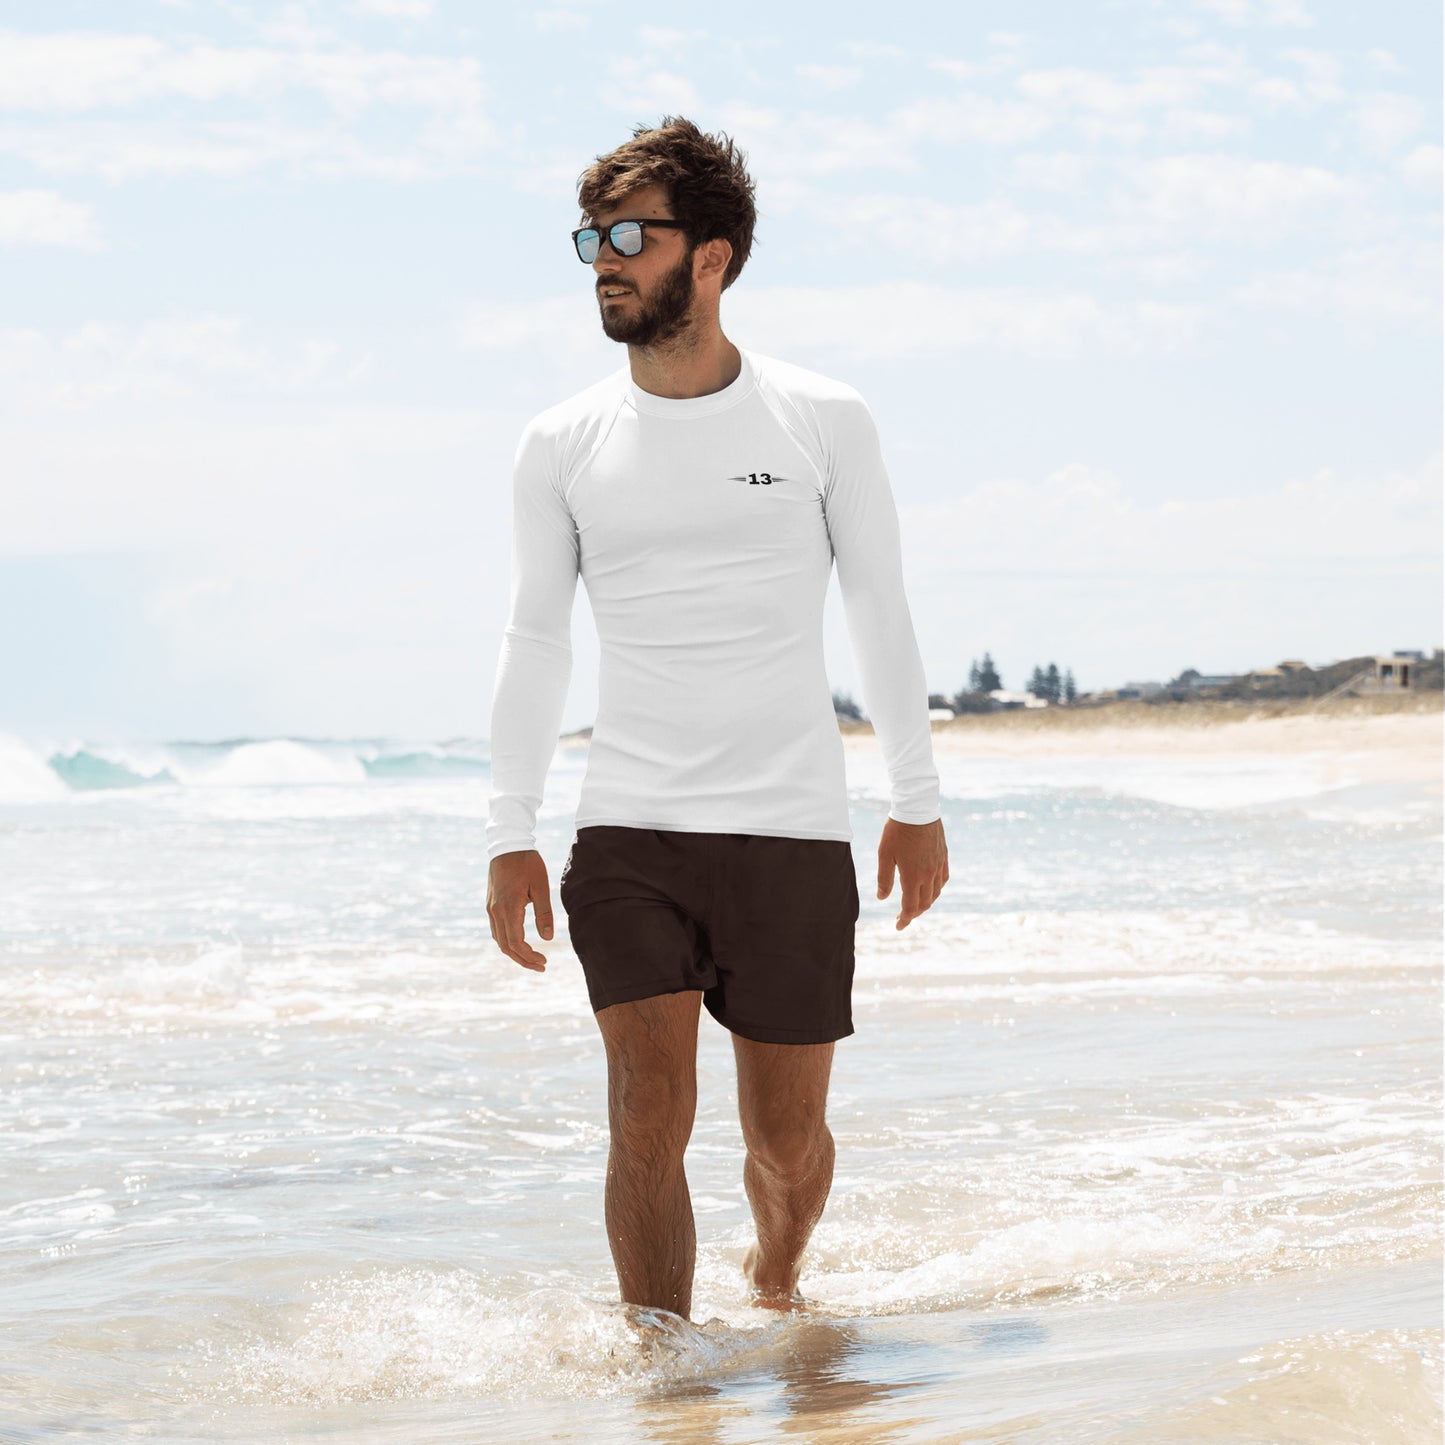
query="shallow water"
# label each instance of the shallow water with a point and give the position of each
(1138, 1138)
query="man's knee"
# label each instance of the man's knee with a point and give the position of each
(790, 1147)
(651, 1108)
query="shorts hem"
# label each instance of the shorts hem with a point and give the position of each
(630, 993)
(763, 1034)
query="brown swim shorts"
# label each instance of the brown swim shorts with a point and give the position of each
(762, 925)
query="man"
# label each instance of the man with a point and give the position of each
(702, 493)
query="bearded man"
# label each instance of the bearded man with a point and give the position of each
(703, 493)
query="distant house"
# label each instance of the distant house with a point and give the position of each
(1392, 673)
(1005, 698)
(1212, 679)
(941, 714)
(1139, 689)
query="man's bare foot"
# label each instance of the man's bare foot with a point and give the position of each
(651, 1325)
(772, 1295)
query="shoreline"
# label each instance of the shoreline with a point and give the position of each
(1372, 739)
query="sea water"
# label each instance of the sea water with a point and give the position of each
(1138, 1138)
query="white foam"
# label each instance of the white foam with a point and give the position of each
(281, 761)
(419, 1334)
(25, 775)
(1213, 782)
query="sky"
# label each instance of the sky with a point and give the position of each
(1144, 296)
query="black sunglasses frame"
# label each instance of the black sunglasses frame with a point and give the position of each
(626, 221)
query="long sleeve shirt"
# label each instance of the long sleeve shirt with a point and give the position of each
(705, 530)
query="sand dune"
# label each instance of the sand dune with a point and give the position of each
(1375, 740)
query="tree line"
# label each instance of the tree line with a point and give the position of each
(1047, 682)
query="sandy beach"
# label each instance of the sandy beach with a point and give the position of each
(1363, 740)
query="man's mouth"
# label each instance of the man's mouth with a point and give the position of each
(608, 292)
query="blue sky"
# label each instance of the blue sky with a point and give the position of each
(1144, 296)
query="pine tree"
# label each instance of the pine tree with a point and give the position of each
(1051, 683)
(973, 676)
(1036, 684)
(988, 678)
(1071, 693)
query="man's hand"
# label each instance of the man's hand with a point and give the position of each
(513, 881)
(920, 853)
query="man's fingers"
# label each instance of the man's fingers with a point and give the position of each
(510, 935)
(542, 912)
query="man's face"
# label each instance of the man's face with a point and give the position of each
(656, 284)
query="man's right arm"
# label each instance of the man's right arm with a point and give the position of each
(535, 664)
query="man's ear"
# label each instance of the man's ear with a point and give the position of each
(714, 256)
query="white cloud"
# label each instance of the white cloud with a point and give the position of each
(1189, 124)
(1066, 172)
(1080, 520)
(178, 470)
(566, 323)
(646, 92)
(548, 21)
(874, 50)
(830, 77)
(910, 319)
(122, 150)
(1226, 196)
(1384, 61)
(812, 143)
(42, 218)
(1320, 73)
(78, 70)
(1072, 88)
(293, 25)
(395, 9)
(1279, 13)
(1371, 285)
(1385, 121)
(921, 226)
(1422, 167)
(892, 319)
(655, 37)
(178, 358)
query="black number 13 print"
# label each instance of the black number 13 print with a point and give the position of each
(760, 479)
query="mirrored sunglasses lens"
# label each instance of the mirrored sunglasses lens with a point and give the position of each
(587, 244)
(627, 238)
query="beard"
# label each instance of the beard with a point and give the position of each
(657, 319)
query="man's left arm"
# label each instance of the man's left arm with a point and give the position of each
(863, 528)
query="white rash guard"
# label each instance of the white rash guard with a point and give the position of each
(705, 529)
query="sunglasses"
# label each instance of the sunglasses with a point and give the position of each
(626, 238)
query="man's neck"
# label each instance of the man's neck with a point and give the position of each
(687, 367)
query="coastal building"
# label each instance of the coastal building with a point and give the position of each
(1139, 689)
(1005, 698)
(941, 714)
(1391, 673)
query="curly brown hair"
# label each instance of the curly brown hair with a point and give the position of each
(709, 188)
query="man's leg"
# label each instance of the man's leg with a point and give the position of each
(651, 1100)
(782, 1098)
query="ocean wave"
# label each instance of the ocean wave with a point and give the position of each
(48, 771)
